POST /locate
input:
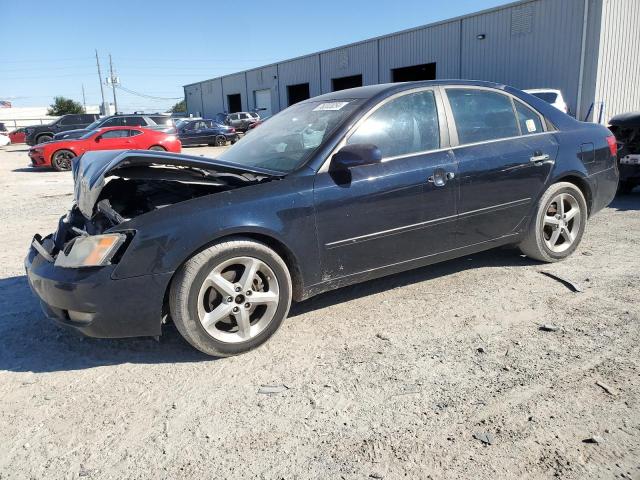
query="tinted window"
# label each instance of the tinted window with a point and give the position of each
(482, 115)
(113, 122)
(408, 124)
(133, 133)
(69, 120)
(116, 134)
(549, 97)
(134, 121)
(528, 119)
(244, 116)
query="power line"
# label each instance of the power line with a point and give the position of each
(143, 95)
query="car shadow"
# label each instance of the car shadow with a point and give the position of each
(500, 257)
(629, 201)
(29, 342)
(33, 170)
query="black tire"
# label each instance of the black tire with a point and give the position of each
(221, 141)
(62, 159)
(44, 138)
(625, 187)
(190, 278)
(158, 148)
(535, 244)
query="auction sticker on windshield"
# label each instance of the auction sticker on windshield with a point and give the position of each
(330, 106)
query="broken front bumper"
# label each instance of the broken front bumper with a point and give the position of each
(92, 302)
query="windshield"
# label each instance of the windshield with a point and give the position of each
(93, 125)
(89, 134)
(291, 137)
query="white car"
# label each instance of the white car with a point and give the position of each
(549, 95)
(4, 140)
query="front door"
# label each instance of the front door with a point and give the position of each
(504, 158)
(395, 211)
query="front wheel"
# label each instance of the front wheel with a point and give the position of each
(558, 226)
(61, 160)
(231, 297)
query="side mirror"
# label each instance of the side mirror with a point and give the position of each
(98, 138)
(356, 155)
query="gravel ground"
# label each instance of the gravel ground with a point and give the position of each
(441, 372)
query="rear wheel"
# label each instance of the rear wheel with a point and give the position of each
(61, 160)
(557, 229)
(231, 297)
(221, 141)
(158, 148)
(44, 138)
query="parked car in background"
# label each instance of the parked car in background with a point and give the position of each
(43, 133)
(626, 128)
(198, 132)
(257, 123)
(59, 153)
(551, 96)
(17, 136)
(4, 140)
(119, 120)
(3, 129)
(240, 120)
(334, 190)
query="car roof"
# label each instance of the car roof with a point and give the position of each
(371, 91)
(542, 90)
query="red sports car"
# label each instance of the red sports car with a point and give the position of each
(58, 154)
(17, 136)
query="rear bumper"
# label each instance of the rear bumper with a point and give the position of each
(91, 302)
(604, 188)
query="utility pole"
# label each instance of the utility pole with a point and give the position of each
(100, 79)
(114, 80)
(84, 100)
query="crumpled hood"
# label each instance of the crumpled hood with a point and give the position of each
(91, 169)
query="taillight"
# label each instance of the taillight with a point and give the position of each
(232, 130)
(613, 146)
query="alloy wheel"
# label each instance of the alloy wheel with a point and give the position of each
(561, 222)
(63, 160)
(238, 299)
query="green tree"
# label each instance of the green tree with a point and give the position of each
(64, 106)
(181, 106)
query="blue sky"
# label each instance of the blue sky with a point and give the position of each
(158, 46)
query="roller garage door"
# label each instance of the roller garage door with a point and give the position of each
(263, 101)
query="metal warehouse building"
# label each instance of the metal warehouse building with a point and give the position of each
(589, 49)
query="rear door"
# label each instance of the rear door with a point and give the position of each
(504, 155)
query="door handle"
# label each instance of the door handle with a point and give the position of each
(539, 157)
(440, 177)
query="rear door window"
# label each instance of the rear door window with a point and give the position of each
(405, 125)
(113, 122)
(116, 134)
(134, 121)
(482, 115)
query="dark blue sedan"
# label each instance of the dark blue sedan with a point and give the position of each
(335, 190)
(205, 132)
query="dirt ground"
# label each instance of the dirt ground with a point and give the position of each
(440, 372)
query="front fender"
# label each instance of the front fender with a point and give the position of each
(280, 209)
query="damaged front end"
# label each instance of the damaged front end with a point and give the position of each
(114, 187)
(626, 128)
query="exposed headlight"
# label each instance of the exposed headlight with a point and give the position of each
(93, 251)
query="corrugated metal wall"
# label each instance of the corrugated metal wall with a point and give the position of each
(261, 79)
(439, 44)
(530, 44)
(193, 97)
(359, 59)
(618, 79)
(212, 101)
(301, 70)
